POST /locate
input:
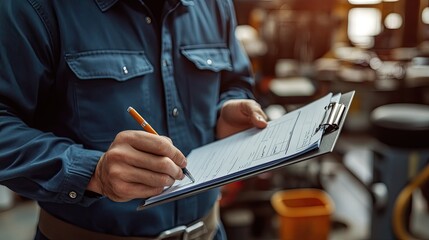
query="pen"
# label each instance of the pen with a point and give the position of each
(146, 126)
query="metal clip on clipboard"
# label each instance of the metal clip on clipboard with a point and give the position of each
(332, 117)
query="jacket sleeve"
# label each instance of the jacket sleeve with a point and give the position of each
(238, 83)
(33, 162)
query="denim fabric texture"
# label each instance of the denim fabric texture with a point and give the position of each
(70, 69)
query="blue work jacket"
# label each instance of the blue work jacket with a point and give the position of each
(70, 69)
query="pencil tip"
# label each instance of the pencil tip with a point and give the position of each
(188, 174)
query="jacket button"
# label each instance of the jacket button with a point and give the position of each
(164, 63)
(72, 194)
(148, 20)
(209, 61)
(175, 112)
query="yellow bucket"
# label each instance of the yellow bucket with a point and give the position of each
(303, 213)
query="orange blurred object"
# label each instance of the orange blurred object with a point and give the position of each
(303, 213)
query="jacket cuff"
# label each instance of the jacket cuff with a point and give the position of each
(234, 93)
(79, 172)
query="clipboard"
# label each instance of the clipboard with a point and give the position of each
(332, 124)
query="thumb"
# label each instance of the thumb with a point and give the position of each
(257, 117)
(259, 120)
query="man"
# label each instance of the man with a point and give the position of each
(69, 71)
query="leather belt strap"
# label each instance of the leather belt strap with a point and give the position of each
(54, 228)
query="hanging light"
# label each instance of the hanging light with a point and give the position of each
(363, 25)
(425, 15)
(393, 21)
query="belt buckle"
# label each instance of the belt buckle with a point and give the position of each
(182, 232)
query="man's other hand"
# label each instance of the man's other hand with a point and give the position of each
(238, 115)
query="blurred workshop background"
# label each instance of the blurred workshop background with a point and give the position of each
(375, 183)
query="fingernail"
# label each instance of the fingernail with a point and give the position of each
(184, 162)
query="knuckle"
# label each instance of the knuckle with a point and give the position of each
(168, 139)
(114, 153)
(165, 180)
(164, 163)
(165, 147)
(176, 156)
(122, 136)
(161, 144)
(179, 159)
(115, 173)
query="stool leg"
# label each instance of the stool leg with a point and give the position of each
(392, 171)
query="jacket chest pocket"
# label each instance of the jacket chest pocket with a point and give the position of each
(106, 83)
(204, 85)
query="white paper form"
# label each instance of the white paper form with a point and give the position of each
(294, 133)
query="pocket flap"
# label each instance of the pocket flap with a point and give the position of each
(119, 65)
(214, 59)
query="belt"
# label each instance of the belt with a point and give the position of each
(54, 228)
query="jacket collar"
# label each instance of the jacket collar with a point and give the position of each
(104, 5)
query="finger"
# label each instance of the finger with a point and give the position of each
(122, 155)
(258, 120)
(248, 107)
(158, 145)
(176, 155)
(163, 146)
(145, 177)
(154, 163)
(256, 116)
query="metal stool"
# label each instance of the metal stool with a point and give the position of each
(403, 150)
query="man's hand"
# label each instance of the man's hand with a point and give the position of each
(137, 165)
(238, 115)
